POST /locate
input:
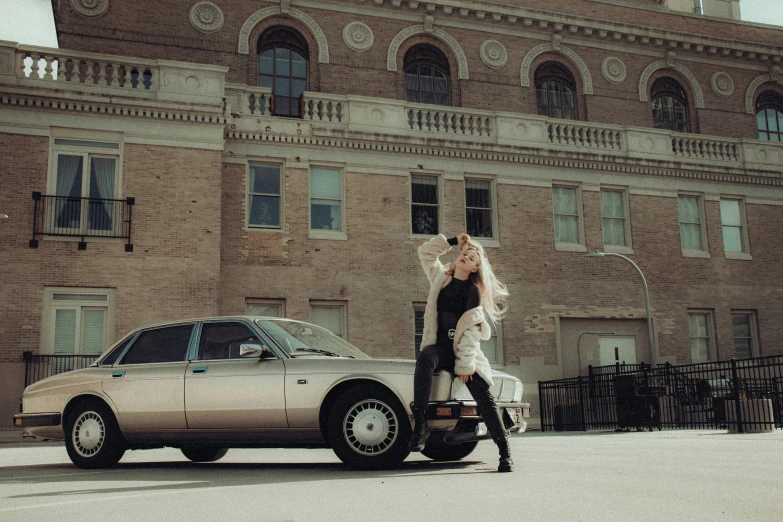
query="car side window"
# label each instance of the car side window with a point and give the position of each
(222, 340)
(115, 354)
(169, 344)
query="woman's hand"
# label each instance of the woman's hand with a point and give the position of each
(465, 378)
(463, 238)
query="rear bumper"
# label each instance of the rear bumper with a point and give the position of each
(31, 420)
(467, 410)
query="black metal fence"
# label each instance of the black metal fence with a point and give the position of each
(39, 367)
(82, 217)
(740, 395)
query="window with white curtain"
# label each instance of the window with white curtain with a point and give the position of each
(693, 235)
(614, 218)
(85, 185)
(326, 199)
(78, 321)
(479, 212)
(264, 196)
(330, 315)
(702, 338)
(732, 218)
(567, 207)
(265, 307)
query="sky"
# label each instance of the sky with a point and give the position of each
(31, 21)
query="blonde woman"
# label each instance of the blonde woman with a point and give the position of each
(462, 296)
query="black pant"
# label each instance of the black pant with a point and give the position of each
(441, 357)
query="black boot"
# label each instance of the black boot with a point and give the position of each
(420, 430)
(506, 464)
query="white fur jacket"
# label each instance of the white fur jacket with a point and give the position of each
(472, 327)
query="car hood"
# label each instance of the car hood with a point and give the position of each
(71, 378)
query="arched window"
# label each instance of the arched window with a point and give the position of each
(282, 66)
(669, 105)
(555, 88)
(769, 116)
(427, 75)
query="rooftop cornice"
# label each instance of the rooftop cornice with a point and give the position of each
(486, 13)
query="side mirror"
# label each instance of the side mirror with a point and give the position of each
(250, 350)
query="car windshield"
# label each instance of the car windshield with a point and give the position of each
(300, 339)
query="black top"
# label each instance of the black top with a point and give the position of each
(453, 301)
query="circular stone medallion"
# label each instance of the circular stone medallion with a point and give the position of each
(206, 17)
(358, 36)
(493, 53)
(613, 69)
(90, 7)
(722, 84)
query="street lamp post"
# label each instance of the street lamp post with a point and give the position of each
(646, 300)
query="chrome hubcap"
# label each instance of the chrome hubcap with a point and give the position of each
(89, 433)
(370, 427)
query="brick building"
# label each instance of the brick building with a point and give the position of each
(206, 158)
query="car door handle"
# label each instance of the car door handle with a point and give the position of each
(199, 370)
(117, 375)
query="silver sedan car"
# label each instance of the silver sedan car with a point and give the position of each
(206, 385)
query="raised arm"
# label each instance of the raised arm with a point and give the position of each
(430, 251)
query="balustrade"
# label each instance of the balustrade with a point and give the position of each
(584, 136)
(705, 148)
(446, 121)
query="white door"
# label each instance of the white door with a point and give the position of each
(612, 350)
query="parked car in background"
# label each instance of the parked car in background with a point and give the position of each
(207, 385)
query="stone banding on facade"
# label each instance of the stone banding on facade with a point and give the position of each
(613, 69)
(494, 54)
(722, 84)
(698, 94)
(456, 49)
(535, 52)
(262, 14)
(358, 36)
(206, 17)
(90, 7)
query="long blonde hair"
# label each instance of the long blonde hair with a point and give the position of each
(493, 292)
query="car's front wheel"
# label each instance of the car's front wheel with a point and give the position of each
(369, 429)
(437, 450)
(204, 453)
(92, 436)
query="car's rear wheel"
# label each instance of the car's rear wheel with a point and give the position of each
(92, 436)
(204, 453)
(369, 429)
(439, 451)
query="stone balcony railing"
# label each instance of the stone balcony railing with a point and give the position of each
(375, 116)
(85, 76)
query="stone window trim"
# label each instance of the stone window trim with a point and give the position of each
(703, 251)
(745, 254)
(272, 303)
(494, 240)
(341, 234)
(627, 248)
(341, 306)
(579, 245)
(77, 299)
(248, 194)
(708, 316)
(440, 213)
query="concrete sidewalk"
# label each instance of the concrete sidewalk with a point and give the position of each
(14, 436)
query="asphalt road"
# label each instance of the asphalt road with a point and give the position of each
(674, 475)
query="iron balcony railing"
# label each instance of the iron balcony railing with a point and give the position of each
(742, 395)
(38, 367)
(67, 216)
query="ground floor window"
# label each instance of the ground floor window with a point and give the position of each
(265, 307)
(330, 315)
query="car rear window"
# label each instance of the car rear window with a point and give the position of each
(169, 344)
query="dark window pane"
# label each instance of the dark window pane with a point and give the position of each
(266, 62)
(298, 66)
(297, 88)
(265, 211)
(222, 340)
(282, 106)
(265, 81)
(283, 86)
(282, 62)
(160, 345)
(479, 222)
(425, 219)
(265, 179)
(424, 189)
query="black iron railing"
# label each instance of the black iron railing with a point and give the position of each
(82, 217)
(39, 367)
(742, 395)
